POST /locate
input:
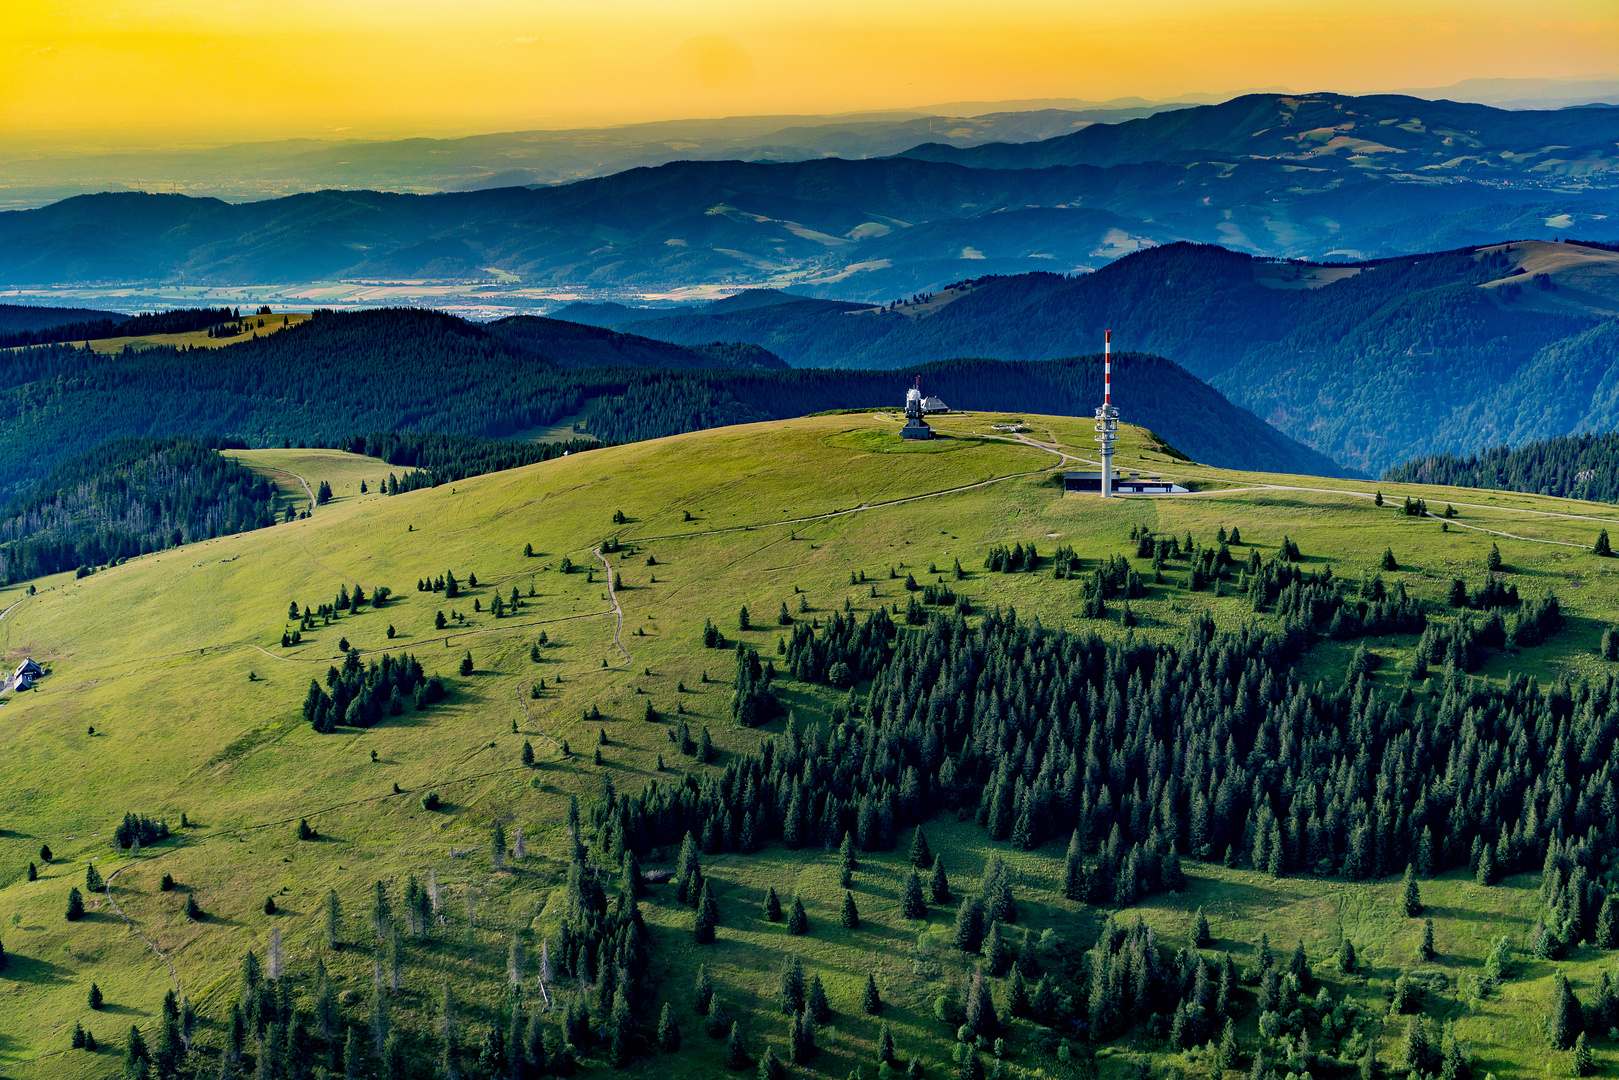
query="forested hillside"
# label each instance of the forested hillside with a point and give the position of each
(1367, 363)
(138, 494)
(414, 370)
(575, 345)
(1570, 466)
(442, 459)
(162, 322)
(128, 497)
(23, 318)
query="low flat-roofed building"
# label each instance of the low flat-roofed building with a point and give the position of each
(1134, 484)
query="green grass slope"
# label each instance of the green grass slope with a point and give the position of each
(175, 661)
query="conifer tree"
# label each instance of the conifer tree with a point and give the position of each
(921, 855)
(815, 1003)
(702, 991)
(846, 861)
(1603, 547)
(633, 884)
(686, 868)
(1484, 872)
(1417, 1050)
(1425, 948)
(885, 1043)
(851, 916)
(1564, 1019)
(797, 918)
(95, 1000)
(1230, 1051)
(938, 883)
(1581, 1064)
(803, 1038)
(736, 1051)
(770, 1066)
(1413, 896)
(353, 1056)
(1017, 995)
(997, 952)
(871, 1002)
(792, 987)
(137, 1058)
(1073, 873)
(1043, 1003)
(1179, 1029)
(968, 929)
(395, 1064)
(1607, 930)
(772, 905)
(980, 1011)
(1200, 931)
(708, 916)
(1346, 956)
(913, 905)
(668, 1030)
(92, 879)
(75, 905)
(995, 892)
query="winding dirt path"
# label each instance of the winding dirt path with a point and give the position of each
(528, 721)
(287, 472)
(173, 976)
(612, 594)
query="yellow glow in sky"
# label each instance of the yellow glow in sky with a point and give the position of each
(159, 71)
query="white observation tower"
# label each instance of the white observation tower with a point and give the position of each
(1107, 417)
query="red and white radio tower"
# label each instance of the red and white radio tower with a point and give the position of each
(1107, 417)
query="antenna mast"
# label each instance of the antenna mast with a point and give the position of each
(1107, 417)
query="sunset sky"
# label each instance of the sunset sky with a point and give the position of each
(160, 71)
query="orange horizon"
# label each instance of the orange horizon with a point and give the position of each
(138, 71)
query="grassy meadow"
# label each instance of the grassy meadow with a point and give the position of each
(175, 661)
(199, 339)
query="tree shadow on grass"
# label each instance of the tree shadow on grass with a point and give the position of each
(33, 970)
(637, 770)
(210, 918)
(877, 890)
(1439, 912)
